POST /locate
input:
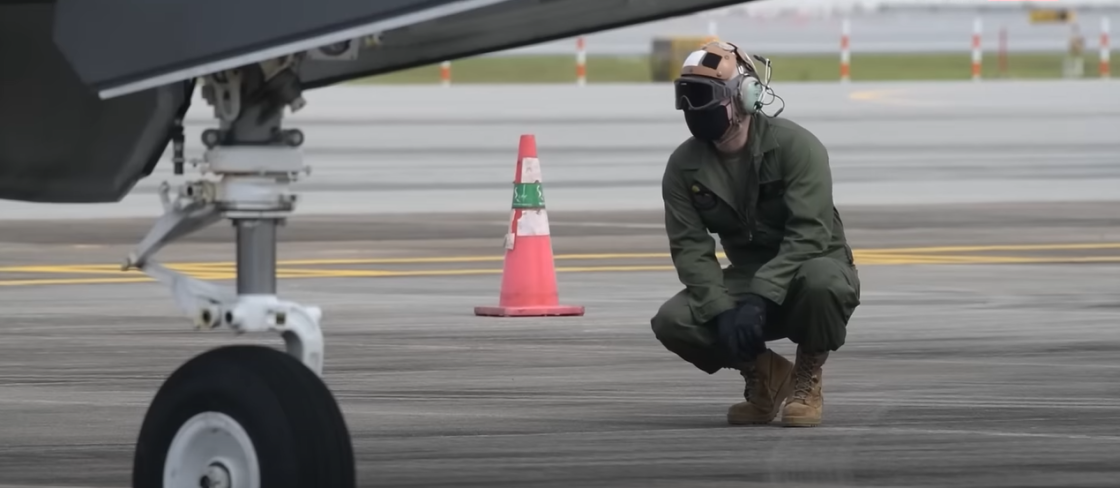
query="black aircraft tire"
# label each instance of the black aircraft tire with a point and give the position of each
(247, 396)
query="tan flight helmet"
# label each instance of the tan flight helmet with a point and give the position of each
(716, 72)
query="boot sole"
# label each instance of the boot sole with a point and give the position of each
(800, 423)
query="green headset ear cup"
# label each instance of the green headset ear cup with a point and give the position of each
(750, 94)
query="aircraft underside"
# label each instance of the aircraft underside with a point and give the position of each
(90, 89)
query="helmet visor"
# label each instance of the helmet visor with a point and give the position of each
(693, 93)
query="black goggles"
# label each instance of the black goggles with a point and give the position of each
(700, 93)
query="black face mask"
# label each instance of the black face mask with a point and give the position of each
(708, 124)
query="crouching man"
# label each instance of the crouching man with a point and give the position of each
(764, 186)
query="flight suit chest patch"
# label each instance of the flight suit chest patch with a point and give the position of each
(702, 198)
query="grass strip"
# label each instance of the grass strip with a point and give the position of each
(636, 69)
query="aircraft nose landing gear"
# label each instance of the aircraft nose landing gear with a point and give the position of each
(243, 416)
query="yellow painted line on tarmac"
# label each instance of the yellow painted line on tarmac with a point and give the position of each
(999, 260)
(230, 266)
(340, 273)
(73, 281)
(373, 273)
(891, 97)
(998, 247)
(872, 94)
(285, 268)
(58, 269)
(887, 97)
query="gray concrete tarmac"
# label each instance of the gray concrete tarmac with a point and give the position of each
(376, 150)
(999, 375)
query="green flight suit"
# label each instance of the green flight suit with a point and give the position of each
(774, 215)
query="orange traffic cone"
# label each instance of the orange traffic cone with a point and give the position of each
(528, 275)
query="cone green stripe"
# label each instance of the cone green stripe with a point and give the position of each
(528, 195)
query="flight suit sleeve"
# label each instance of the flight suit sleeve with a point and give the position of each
(693, 251)
(808, 230)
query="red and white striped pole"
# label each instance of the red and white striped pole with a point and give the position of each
(445, 73)
(1002, 60)
(845, 53)
(581, 62)
(1104, 48)
(976, 53)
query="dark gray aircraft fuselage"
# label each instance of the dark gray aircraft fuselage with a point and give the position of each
(90, 90)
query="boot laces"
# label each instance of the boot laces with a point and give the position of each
(806, 378)
(750, 376)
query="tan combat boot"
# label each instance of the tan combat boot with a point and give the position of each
(807, 402)
(768, 384)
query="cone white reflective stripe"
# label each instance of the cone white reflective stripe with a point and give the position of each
(530, 170)
(533, 223)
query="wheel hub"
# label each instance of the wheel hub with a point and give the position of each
(211, 450)
(217, 476)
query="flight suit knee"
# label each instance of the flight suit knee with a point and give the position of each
(822, 297)
(674, 327)
(667, 323)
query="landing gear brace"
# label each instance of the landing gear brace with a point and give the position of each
(242, 416)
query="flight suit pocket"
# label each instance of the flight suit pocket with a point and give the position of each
(716, 214)
(771, 212)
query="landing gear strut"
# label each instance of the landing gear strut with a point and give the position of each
(243, 416)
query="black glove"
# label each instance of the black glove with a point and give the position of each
(740, 330)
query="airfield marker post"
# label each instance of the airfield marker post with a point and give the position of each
(1003, 51)
(976, 52)
(1103, 67)
(845, 50)
(445, 73)
(581, 61)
